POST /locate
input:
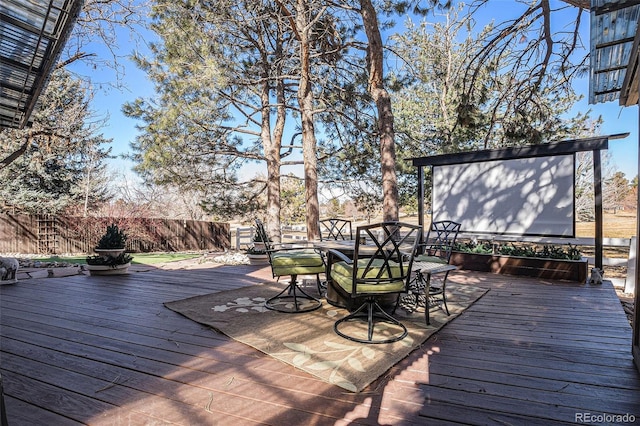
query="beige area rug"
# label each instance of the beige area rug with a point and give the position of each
(307, 340)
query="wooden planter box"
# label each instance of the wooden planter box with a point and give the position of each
(556, 269)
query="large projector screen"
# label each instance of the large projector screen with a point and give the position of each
(526, 196)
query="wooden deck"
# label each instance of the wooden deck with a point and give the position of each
(103, 350)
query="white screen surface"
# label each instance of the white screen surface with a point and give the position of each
(527, 196)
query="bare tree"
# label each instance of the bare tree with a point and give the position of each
(533, 56)
(432, 118)
(584, 195)
(615, 192)
(100, 25)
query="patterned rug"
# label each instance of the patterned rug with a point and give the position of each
(307, 340)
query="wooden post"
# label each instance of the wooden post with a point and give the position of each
(635, 345)
(597, 187)
(630, 282)
(421, 200)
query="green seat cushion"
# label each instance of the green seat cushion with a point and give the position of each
(342, 273)
(297, 262)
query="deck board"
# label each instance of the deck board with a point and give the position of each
(530, 351)
(104, 350)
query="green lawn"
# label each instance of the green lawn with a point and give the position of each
(138, 258)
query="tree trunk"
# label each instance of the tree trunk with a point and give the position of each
(390, 210)
(271, 147)
(309, 143)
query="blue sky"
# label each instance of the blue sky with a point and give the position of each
(109, 101)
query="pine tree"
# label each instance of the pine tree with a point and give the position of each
(62, 164)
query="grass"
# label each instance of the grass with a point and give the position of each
(620, 225)
(138, 258)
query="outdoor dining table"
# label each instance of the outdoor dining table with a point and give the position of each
(422, 283)
(347, 247)
(340, 245)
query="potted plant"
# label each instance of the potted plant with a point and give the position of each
(112, 242)
(257, 256)
(258, 243)
(111, 258)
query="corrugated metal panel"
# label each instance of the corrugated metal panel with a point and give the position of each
(613, 28)
(32, 34)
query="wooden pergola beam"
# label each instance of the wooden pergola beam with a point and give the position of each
(569, 146)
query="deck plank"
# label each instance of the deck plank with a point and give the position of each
(536, 351)
(104, 350)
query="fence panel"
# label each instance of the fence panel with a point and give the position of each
(18, 234)
(67, 234)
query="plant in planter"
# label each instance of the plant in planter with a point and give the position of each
(552, 261)
(110, 258)
(257, 256)
(520, 250)
(113, 238)
(258, 244)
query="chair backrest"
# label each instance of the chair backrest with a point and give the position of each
(262, 233)
(388, 254)
(440, 239)
(335, 229)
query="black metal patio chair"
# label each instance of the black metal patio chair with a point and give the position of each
(434, 259)
(379, 268)
(292, 261)
(335, 229)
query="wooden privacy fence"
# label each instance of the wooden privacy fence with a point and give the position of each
(67, 234)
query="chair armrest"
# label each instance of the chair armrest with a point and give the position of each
(439, 250)
(340, 255)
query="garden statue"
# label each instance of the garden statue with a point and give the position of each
(596, 276)
(8, 269)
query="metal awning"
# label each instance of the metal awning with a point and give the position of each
(32, 35)
(614, 28)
